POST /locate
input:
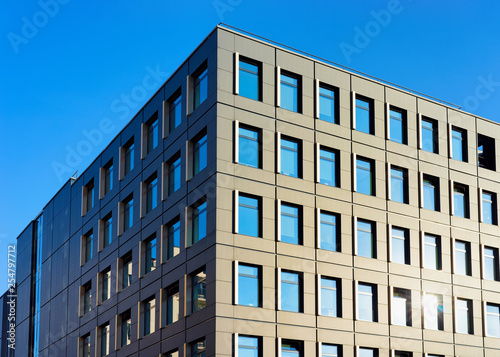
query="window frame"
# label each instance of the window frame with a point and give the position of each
(428, 181)
(239, 148)
(406, 244)
(171, 236)
(171, 299)
(199, 149)
(469, 315)
(128, 159)
(434, 132)
(336, 305)
(199, 80)
(372, 175)
(370, 108)
(150, 193)
(404, 124)
(238, 283)
(196, 213)
(258, 74)
(300, 290)
(298, 221)
(238, 347)
(127, 213)
(494, 257)
(394, 292)
(374, 301)
(487, 320)
(148, 316)
(239, 214)
(493, 205)
(150, 254)
(461, 141)
(404, 182)
(372, 232)
(151, 134)
(437, 250)
(336, 222)
(175, 107)
(198, 280)
(125, 318)
(297, 157)
(174, 170)
(460, 191)
(335, 99)
(335, 162)
(466, 251)
(296, 88)
(107, 178)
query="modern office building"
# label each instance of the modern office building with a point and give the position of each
(265, 202)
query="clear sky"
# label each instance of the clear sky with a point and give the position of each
(66, 65)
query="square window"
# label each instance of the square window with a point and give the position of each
(400, 245)
(200, 85)
(429, 135)
(174, 111)
(174, 174)
(249, 346)
(151, 193)
(328, 103)
(399, 184)
(128, 156)
(463, 316)
(171, 304)
(291, 91)
(367, 302)
(250, 78)
(200, 153)
(291, 291)
(330, 297)
(149, 315)
(401, 307)
(329, 231)
(198, 348)
(105, 284)
(249, 146)
(173, 239)
(489, 207)
(492, 320)
(198, 290)
(486, 152)
(107, 177)
(490, 263)
(397, 125)
(291, 348)
(458, 144)
(291, 158)
(433, 312)
(128, 213)
(365, 176)
(364, 115)
(328, 350)
(125, 328)
(329, 167)
(126, 263)
(249, 215)
(462, 258)
(152, 133)
(149, 247)
(430, 187)
(104, 331)
(199, 221)
(460, 200)
(107, 230)
(88, 245)
(432, 252)
(366, 239)
(291, 224)
(88, 196)
(249, 285)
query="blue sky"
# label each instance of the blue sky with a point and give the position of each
(68, 67)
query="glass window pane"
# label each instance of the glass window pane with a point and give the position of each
(328, 232)
(429, 136)
(366, 241)
(363, 116)
(289, 93)
(398, 185)
(490, 264)
(290, 291)
(457, 145)
(397, 127)
(174, 176)
(459, 201)
(249, 216)
(249, 147)
(399, 248)
(249, 80)
(198, 286)
(488, 207)
(433, 310)
(248, 346)
(248, 285)
(174, 239)
(329, 350)
(199, 222)
(175, 114)
(493, 320)
(328, 167)
(429, 187)
(289, 158)
(366, 352)
(290, 349)
(462, 258)
(431, 252)
(290, 224)
(327, 105)
(329, 297)
(365, 302)
(200, 154)
(200, 88)
(400, 313)
(364, 177)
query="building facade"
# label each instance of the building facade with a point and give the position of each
(267, 203)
